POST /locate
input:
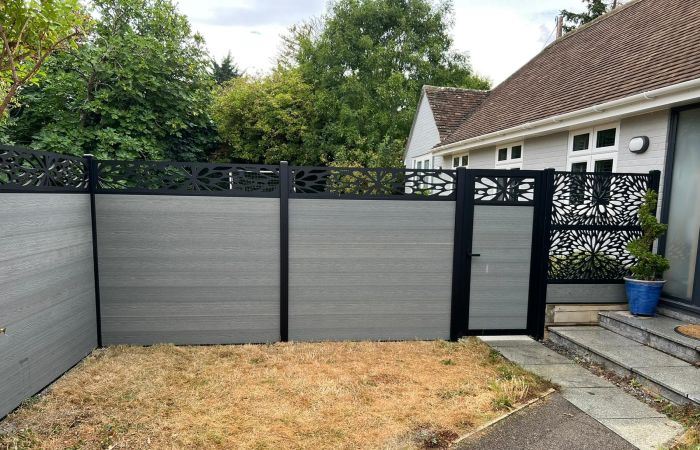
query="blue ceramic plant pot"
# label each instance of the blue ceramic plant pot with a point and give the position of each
(643, 296)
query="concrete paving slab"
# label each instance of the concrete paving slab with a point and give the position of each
(646, 434)
(638, 355)
(533, 354)
(631, 419)
(567, 375)
(608, 403)
(550, 424)
(514, 338)
(595, 337)
(682, 380)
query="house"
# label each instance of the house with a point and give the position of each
(620, 94)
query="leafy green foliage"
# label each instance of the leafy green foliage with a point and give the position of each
(139, 87)
(226, 70)
(361, 69)
(594, 9)
(649, 266)
(30, 31)
(267, 119)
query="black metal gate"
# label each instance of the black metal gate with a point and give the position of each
(500, 255)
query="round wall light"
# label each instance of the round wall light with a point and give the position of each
(639, 144)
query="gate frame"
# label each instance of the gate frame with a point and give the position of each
(463, 245)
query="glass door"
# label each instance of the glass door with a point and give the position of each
(683, 210)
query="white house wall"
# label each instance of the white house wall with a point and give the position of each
(550, 151)
(545, 152)
(424, 134)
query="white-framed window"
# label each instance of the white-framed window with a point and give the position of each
(460, 160)
(422, 162)
(594, 149)
(509, 156)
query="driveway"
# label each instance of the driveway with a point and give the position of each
(552, 423)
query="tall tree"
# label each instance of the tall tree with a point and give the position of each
(30, 31)
(365, 62)
(268, 119)
(139, 87)
(594, 9)
(225, 70)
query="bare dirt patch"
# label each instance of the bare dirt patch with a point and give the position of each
(285, 395)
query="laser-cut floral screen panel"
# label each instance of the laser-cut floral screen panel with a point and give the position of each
(337, 182)
(26, 169)
(594, 217)
(182, 177)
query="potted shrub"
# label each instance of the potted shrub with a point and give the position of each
(644, 286)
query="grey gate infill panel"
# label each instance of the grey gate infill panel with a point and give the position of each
(370, 269)
(188, 270)
(47, 292)
(500, 276)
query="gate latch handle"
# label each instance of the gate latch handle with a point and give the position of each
(473, 254)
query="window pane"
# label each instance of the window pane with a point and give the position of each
(455, 162)
(502, 154)
(682, 244)
(465, 160)
(605, 138)
(578, 183)
(578, 167)
(419, 165)
(426, 164)
(604, 165)
(516, 152)
(581, 142)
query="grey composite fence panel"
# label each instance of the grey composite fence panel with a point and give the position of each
(370, 269)
(188, 270)
(500, 277)
(47, 292)
(586, 293)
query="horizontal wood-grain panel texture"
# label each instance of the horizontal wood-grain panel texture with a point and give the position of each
(586, 293)
(47, 292)
(500, 276)
(370, 269)
(188, 270)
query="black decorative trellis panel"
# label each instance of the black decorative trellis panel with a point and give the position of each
(26, 169)
(593, 218)
(187, 178)
(499, 189)
(332, 182)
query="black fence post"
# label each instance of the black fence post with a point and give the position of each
(540, 253)
(654, 182)
(91, 164)
(460, 261)
(284, 250)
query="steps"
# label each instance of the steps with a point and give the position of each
(656, 332)
(647, 349)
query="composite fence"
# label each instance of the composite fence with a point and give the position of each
(99, 252)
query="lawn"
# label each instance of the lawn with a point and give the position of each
(285, 395)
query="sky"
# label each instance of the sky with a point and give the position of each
(499, 35)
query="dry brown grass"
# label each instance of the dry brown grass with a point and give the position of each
(286, 395)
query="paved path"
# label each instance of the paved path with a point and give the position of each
(634, 421)
(550, 424)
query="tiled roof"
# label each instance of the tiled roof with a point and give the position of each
(643, 45)
(451, 106)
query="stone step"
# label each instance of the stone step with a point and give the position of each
(672, 378)
(683, 316)
(656, 332)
